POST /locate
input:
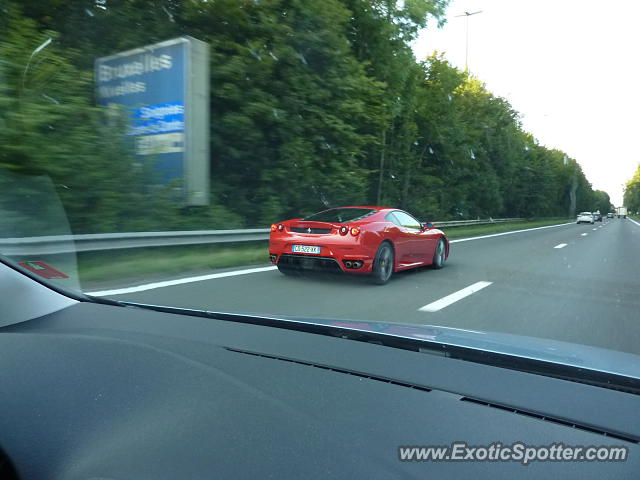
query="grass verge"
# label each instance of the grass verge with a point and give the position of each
(130, 264)
(142, 264)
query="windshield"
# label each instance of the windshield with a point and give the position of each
(341, 215)
(156, 151)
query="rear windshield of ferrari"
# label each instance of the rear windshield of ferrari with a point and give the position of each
(341, 215)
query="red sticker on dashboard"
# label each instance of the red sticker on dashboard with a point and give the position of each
(42, 269)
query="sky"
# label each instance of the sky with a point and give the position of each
(570, 67)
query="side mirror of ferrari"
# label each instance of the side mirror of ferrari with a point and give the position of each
(427, 226)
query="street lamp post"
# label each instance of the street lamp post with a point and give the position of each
(466, 50)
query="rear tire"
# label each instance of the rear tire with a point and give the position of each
(383, 264)
(439, 255)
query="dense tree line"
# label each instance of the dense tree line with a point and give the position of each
(313, 104)
(632, 193)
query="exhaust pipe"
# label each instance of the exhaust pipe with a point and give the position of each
(353, 263)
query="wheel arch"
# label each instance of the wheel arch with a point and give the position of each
(447, 245)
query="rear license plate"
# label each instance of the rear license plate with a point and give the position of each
(305, 249)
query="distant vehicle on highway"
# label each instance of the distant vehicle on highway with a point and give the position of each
(610, 215)
(622, 212)
(585, 217)
(597, 216)
(361, 240)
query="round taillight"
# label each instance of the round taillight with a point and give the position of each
(280, 227)
(273, 227)
(344, 230)
(355, 231)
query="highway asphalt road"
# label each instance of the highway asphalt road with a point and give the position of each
(576, 283)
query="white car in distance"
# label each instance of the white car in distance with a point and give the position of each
(585, 217)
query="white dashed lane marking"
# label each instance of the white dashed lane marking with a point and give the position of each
(454, 297)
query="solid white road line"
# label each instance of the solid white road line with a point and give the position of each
(180, 281)
(454, 297)
(638, 224)
(562, 245)
(508, 233)
(584, 234)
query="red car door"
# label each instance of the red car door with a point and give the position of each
(400, 240)
(412, 246)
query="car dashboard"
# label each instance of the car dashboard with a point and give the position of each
(101, 391)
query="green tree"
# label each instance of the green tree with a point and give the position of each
(51, 126)
(313, 104)
(602, 202)
(632, 192)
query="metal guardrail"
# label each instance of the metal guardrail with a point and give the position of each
(50, 245)
(462, 223)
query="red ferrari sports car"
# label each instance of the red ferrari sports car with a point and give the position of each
(362, 240)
